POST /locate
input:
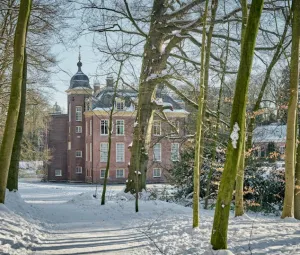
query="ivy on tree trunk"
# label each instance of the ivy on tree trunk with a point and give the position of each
(290, 152)
(12, 181)
(15, 95)
(237, 123)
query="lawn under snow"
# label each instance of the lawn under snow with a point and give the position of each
(66, 219)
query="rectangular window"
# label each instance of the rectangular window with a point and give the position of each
(176, 124)
(78, 113)
(91, 127)
(78, 169)
(78, 129)
(282, 149)
(119, 104)
(174, 151)
(120, 152)
(120, 129)
(91, 154)
(120, 173)
(104, 127)
(86, 152)
(156, 172)
(86, 128)
(70, 112)
(156, 127)
(78, 154)
(102, 173)
(69, 145)
(58, 172)
(157, 152)
(103, 152)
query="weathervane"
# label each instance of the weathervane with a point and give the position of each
(79, 57)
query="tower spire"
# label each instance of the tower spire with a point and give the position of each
(79, 56)
(79, 64)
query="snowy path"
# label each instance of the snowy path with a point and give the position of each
(70, 221)
(77, 227)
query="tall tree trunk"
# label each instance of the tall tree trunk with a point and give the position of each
(239, 188)
(215, 136)
(288, 205)
(12, 181)
(297, 180)
(15, 95)
(154, 62)
(199, 126)
(110, 128)
(237, 129)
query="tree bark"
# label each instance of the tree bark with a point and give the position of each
(297, 181)
(12, 181)
(239, 188)
(154, 62)
(288, 205)
(15, 96)
(235, 145)
(199, 127)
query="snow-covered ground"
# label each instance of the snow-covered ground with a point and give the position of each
(48, 218)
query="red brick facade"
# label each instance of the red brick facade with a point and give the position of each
(78, 144)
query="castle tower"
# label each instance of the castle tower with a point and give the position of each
(78, 92)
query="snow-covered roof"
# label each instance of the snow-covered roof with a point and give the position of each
(103, 101)
(270, 133)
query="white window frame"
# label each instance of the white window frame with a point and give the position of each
(78, 170)
(78, 113)
(91, 153)
(102, 158)
(123, 170)
(157, 127)
(120, 158)
(155, 173)
(119, 104)
(103, 170)
(91, 127)
(69, 145)
(154, 158)
(176, 158)
(104, 123)
(120, 125)
(86, 152)
(78, 129)
(56, 173)
(176, 124)
(78, 154)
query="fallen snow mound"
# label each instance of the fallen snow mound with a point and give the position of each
(17, 235)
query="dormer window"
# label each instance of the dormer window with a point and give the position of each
(119, 104)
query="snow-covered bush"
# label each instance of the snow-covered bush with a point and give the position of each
(264, 189)
(181, 176)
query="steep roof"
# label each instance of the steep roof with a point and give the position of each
(270, 133)
(104, 99)
(79, 79)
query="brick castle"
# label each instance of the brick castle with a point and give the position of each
(78, 141)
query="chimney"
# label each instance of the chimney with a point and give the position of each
(109, 81)
(96, 87)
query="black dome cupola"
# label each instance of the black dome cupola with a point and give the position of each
(79, 79)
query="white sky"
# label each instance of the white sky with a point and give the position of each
(67, 67)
